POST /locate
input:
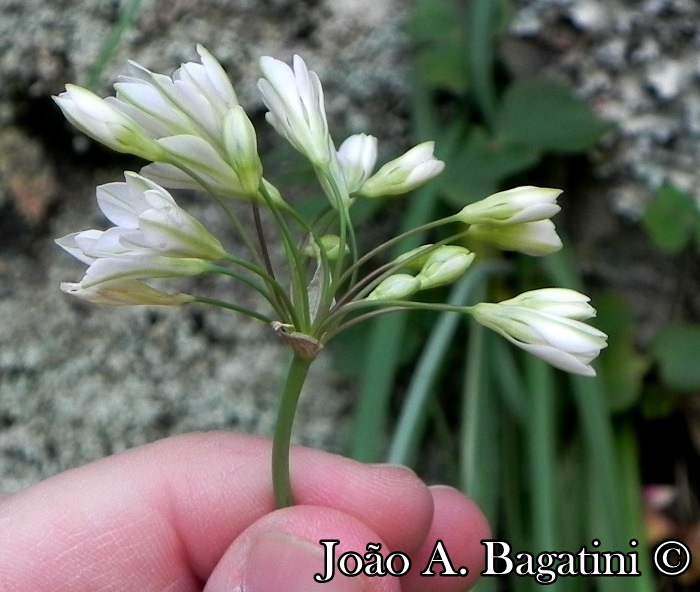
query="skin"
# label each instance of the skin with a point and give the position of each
(196, 513)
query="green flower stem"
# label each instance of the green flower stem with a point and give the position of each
(340, 199)
(127, 16)
(261, 238)
(227, 271)
(233, 307)
(277, 297)
(297, 269)
(230, 215)
(397, 239)
(360, 289)
(281, 484)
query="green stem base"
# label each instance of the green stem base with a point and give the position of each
(281, 483)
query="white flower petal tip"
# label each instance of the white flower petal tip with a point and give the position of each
(547, 323)
(405, 173)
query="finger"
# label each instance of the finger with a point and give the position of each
(161, 516)
(460, 526)
(282, 551)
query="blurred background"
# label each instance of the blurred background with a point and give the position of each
(599, 98)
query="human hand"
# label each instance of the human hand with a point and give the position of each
(196, 513)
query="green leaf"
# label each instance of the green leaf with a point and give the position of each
(440, 66)
(622, 367)
(432, 20)
(481, 166)
(546, 116)
(439, 52)
(677, 351)
(672, 219)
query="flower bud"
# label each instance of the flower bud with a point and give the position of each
(415, 258)
(532, 238)
(546, 324)
(515, 206)
(357, 156)
(395, 287)
(445, 265)
(329, 243)
(404, 173)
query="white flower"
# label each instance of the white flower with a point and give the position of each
(547, 323)
(296, 110)
(105, 123)
(532, 238)
(515, 206)
(357, 156)
(404, 173)
(147, 221)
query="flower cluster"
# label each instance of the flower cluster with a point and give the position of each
(196, 135)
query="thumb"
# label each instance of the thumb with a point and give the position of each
(282, 551)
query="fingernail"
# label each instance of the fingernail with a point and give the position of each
(284, 562)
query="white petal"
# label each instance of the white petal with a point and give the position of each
(200, 156)
(120, 204)
(557, 358)
(134, 267)
(169, 176)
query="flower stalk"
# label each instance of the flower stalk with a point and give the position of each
(281, 482)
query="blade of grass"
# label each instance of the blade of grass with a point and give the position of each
(386, 336)
(480, 454)
(630, 488)
(129, 13)
(541, 444)
(506, 376)
(514, 527)
(479, 17)
(413, 417)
